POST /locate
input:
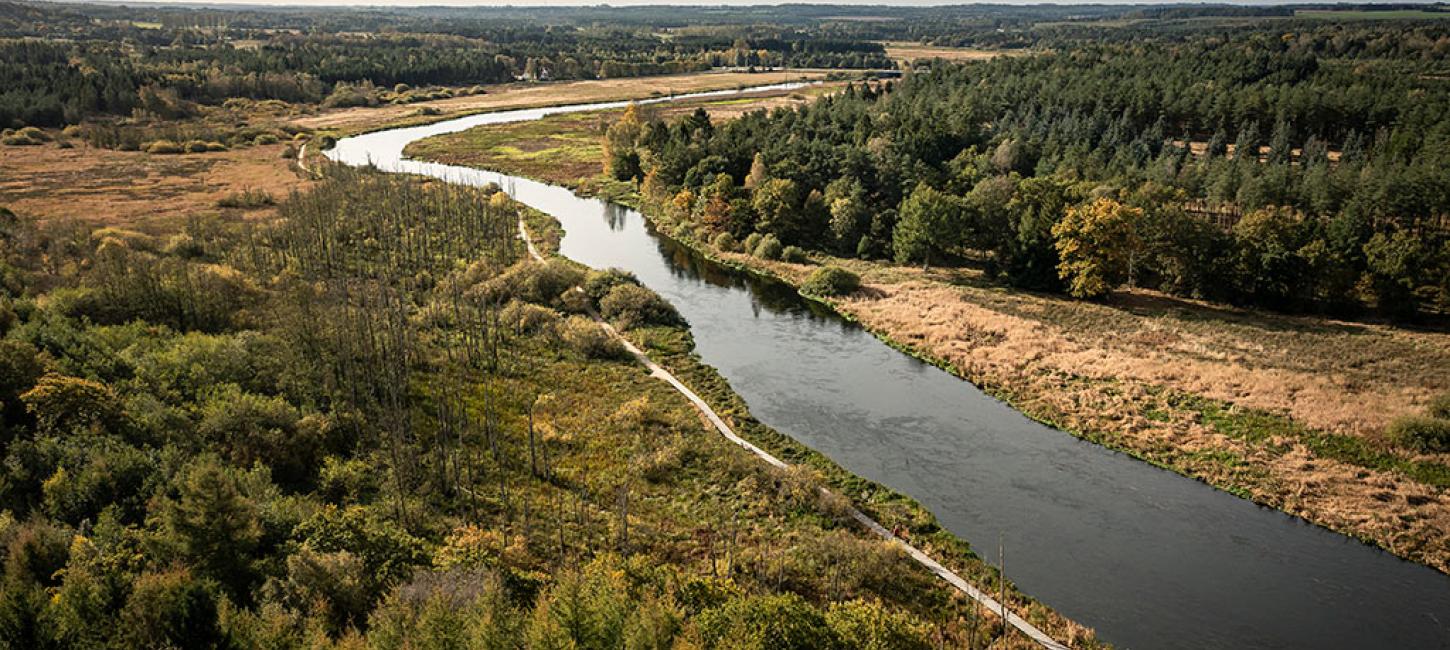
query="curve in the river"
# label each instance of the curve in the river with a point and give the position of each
(1149, 558)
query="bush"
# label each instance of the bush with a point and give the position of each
(630, 305)
(265, 138)
(162, 147)
(247, 199)
(794, 255)
(780, 622)
(599, 283)
(589, 339)
(526, 318)
(769, 248)
(195, 146)
(537, 283)
(1421, 433)
(869, 624)
(34, 133)
(326, 141)
(831, 281)
(752, 241)
(215, 146)
(1439, 406)
(725, 242)
(17, 140)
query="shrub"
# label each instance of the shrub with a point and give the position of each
(725, 242)
(752, 241)
(769, 248)
(599, 283)
(1439, 406)
(589, 339)
(247, 199)
(265, 138)
(195, 146)
(630, 305)
(18, 140)
(831, 281)
(326, 141)
(34, 133)
(1421, 433)
(162, 147)
(661, 464)
(781, 622)
(527, 318)
(215, 146)
(537, 283)
(794, 255)
(869, 624)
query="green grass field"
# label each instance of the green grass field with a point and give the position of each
(1395, 14)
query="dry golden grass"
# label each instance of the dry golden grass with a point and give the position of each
(565, 148)
(903, 51)
(531, 95)
(1108, 370)
(111, 187)
(1337, 376)
(1102, 368)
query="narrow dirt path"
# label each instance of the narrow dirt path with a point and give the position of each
(657, 371)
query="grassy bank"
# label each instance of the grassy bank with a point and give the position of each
(1286, 411)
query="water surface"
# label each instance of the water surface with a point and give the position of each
(1147, 557)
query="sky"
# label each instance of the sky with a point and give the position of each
(620, 3)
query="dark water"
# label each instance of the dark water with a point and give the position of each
(1148, 558)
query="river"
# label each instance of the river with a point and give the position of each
(1149, 558)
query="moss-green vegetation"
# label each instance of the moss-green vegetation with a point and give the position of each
(369, 420)
(831, 281)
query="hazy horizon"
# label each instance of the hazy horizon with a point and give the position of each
(636, 3)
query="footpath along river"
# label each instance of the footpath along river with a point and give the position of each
(1147, 557)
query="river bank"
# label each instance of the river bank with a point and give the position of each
(1285, 411)
(1147, 558)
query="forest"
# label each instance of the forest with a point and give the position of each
(66, 64)
(252, 398)
(368, 424)
(1301, 174)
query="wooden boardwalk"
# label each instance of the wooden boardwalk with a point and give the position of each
(657, 371)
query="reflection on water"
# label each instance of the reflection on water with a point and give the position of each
(614, 216)
(1149, 558)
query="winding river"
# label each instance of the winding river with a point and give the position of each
(1147, 557)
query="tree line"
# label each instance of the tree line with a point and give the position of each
(77, 69)
(1253, 170)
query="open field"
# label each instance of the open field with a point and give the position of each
(1288, 411)
(530, 95)
(1396, 14)
(565, 148)
(105, 186)
(903, 51)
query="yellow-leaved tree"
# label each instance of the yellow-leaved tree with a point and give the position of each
(1097, 243)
